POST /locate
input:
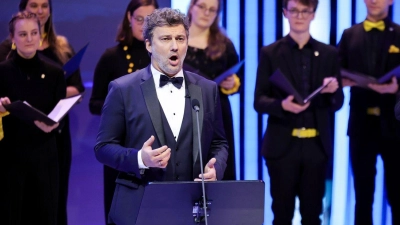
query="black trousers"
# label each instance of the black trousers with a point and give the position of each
(363, 155)
(30, 185)
(301, 173)
(109, 177)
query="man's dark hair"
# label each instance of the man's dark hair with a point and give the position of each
(312, 3)
(164, 17)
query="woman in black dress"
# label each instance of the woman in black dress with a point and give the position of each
(127, 56)
(57, 49)
(211, 52)
(29, 166)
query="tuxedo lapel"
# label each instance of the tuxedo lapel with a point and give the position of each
(195, 93)
(153, 105)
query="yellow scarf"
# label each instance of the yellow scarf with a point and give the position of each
(1, 124)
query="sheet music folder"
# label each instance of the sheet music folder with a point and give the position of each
(281, 81)
(234, 69)
(74, 63)
(363, 80)
(28, 113)
(232, 202)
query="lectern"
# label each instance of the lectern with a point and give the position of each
(180, 203)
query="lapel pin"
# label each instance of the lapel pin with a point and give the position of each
(316, 53)
(43, 76)
(390, 28)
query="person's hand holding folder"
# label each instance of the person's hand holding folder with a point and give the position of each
(45, 128)
(229, 82)
(4, 101)
(330, 85)
(386, 84)
(386, 88)
(289, 104)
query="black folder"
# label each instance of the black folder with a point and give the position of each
(28, 113)
(234, 69)
(363, 80)
(73, 63)
(228, 72)
(281, 81)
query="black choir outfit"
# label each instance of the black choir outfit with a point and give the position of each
(115, 62)
(297, 147)
(63, 134)
(372, 127)
(29, 161)
(210, 69)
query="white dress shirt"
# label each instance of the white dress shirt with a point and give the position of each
(172, 101)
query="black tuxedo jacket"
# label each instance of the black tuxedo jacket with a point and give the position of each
(131, 114)
(352, 55)
(268, 98)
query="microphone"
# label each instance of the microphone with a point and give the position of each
(196, 107)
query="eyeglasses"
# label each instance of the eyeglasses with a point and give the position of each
(139, 19)
(295, 12)
(203, 8)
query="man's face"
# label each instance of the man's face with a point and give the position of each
(377, 9)
(168, 49)
(299, 16)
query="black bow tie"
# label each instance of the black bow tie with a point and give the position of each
(176, 81)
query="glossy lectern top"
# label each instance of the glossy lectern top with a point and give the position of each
(229, 202)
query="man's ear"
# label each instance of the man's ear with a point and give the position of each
(148, 45)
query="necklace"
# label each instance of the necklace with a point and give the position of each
(42, 37)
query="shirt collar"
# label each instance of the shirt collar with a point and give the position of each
(156, 75)
(310, 44)
(387, 20)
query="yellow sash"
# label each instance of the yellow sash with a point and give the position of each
(1, 124)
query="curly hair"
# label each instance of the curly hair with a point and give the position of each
(164, 17)
(21, 16)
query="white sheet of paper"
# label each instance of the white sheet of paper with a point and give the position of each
(63, 107)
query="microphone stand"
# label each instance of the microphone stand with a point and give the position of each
(197, 108)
